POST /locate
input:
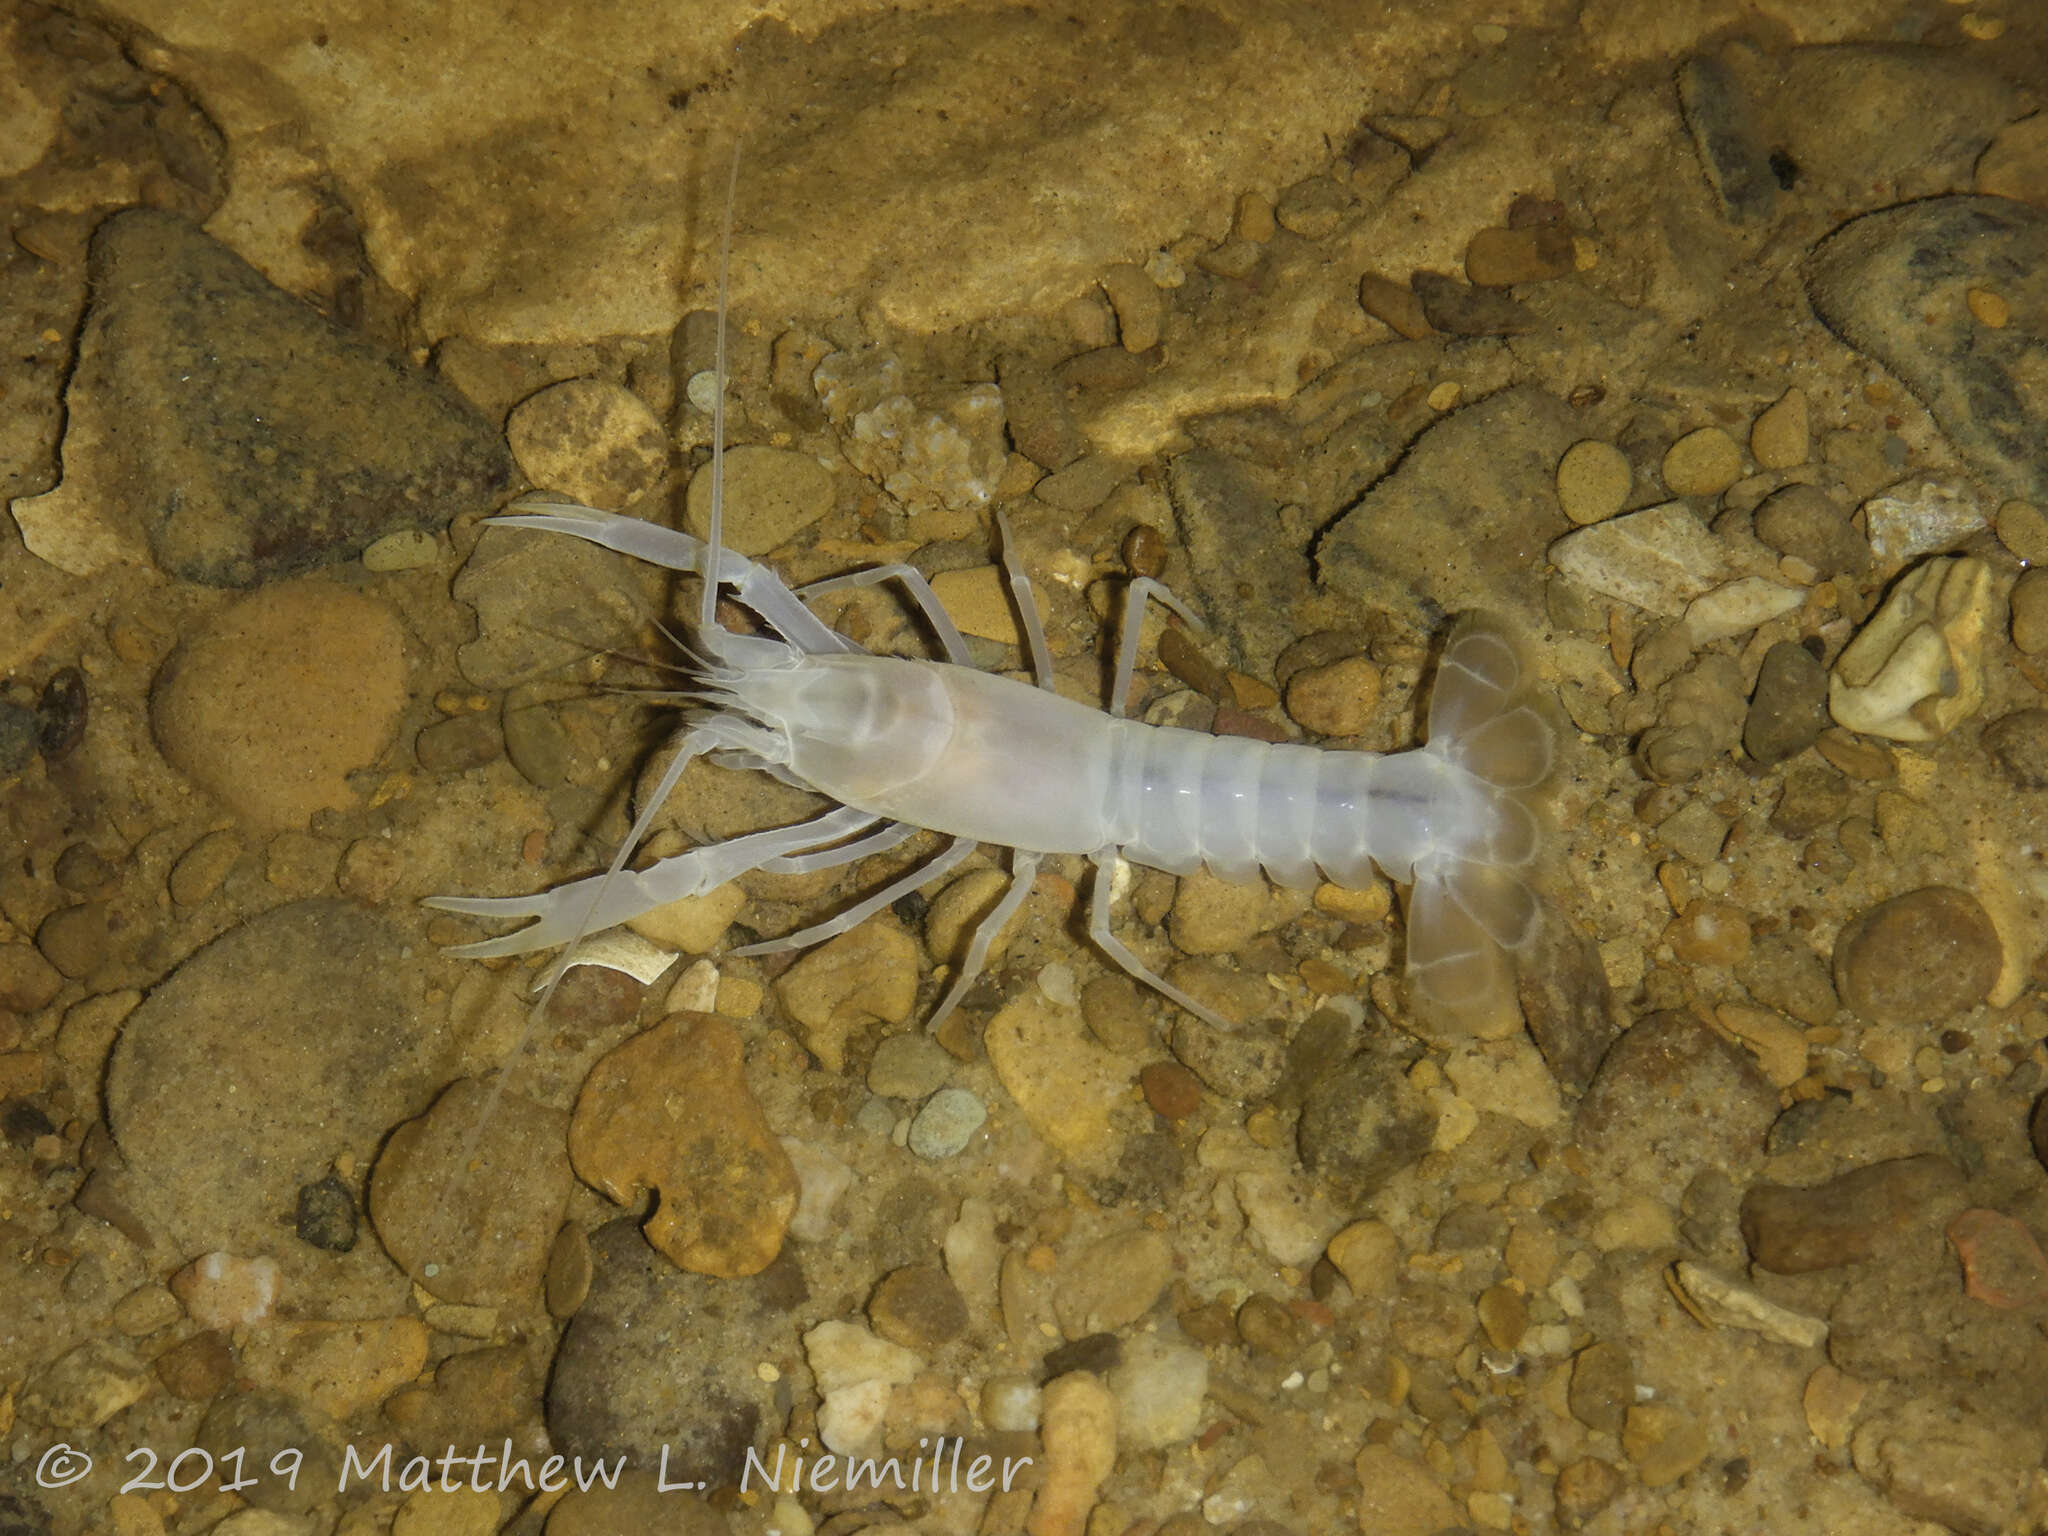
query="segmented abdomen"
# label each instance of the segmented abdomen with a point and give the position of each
(1178, 799)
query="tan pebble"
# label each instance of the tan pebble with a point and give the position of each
(2016, 164)
(1445, 395)
(133, 1516)
(1665, 1442)
(1254, 220)
(740, 997)
(1324, 979)
(1781, 437)
(1140, 306)
(341, 1368)
(2023, 529)
(1830, 1401)
(957, 910)
(1710, 933)
(1068, 1089)
(1396, 1494)
(1504, 1314)
(131, 642)
(201, 868)
(1336, 699)
(1990, 308)
(1212, 916)
(1981, 28)
(670, 1111)
(1077, 1427)
(1370, 905)
(1778, 1043)
(371, 868)
(1368, 1255)
(591, 439)
(409, 549)
(1855, 757)
(1593, 481)
(569, 1272)
(2030, 613)
(695, 924)
(1502, 258)
(447, 1511)
(978, 600)
(1702, 463)
(1250, 693)
(862, 976)
(1394, 304)
(771, 495)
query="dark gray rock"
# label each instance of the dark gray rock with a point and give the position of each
(2018, 744)
(1789, 709)
(1361, 1125)
(1728, 139)
(1892, 284)
(1801, 521)
(246, 436)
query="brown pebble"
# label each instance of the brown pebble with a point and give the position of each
(1850, 1218)
(198, 1367)
(1501, 258)
(1171, 1089)
(1179, 655)
(1710, 933)
(75, 939)
(918, 1307)
(27, 980)
(569, 1272)
(1917, 958)
(1144, 550)
(1504, 1314)
(451, 746)
(1393, 304)
(1337, 699)
(202, 867)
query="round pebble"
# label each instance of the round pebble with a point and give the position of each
(1802, 522)
(590, 439)
(74, 939)
(1140, 306)
(1010, 1403)
(1501, 258)
(1593, 480)
(1702, 463)
(2030, 612)
(1789, 709)
(2023, 529)
(918, 1307)
(2018, 744)
(908, 1066)
(771, 495)
(1918, 958)
(946, 1124)
(1337, 699)
(1171, 1089)
(1781, 436)
(1710, 933)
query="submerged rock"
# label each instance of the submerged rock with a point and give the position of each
(1916, 670)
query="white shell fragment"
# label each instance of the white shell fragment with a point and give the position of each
(1915, 670)
(620, 950)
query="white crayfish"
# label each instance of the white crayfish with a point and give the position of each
(979, 758)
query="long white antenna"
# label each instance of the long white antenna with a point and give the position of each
(707, 618)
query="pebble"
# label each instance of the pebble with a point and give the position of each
(1394, 304)
(265, 1425)
(590, 439)
(458, 745)
(1067, 1088)
(1112, 1283)
(568, 1273)
(1011, 1404)
(1702, 463)
(1399, 1496)
(918, 1308)
(2018, 744)
(83, 1388)
(1780, 438)
(1244, 1066)
(75, 939)
(544, 605)
(1115, 1014)
(2016, 163)
(978, 601)
(1671, 1098)
(1159, 1388)
(771, 496)
(909, 1066)
(946, 1123)
(849, 1363)
(2023, 529)
(1170, 1089)
(657, 1357)
(1460, 310)
(2030, 612)
(1361, 1123)
(1338, 698)
(1593, 481)
(191, 1086)
(1139, 304)
(1801, 521)
(1920, 516)
(1852, 1218)
(491, 1246)
(863, 977)
(1789, 708)
(1782, 972)
(194, 370)
(339, 1368)
(1078, 1431)
(196, 1368)
(1739, 606)
(1312, 208)
(1665, 1441)
(1659, 559)
(1919, 958)
(274, 701)
(447, 1511)
(1501, 258)
(670, 1111)
(1728, 137)
(1916, 669)
(410, 549)
(1779, 1044)
(956, 911)
(28, 981)
(1368, 1255)
(692, 925)
(146, 1309)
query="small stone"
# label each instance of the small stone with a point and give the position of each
(1830, 1402)
(1602, 1387)
(670, 1111)
(1593, 481)
(1394, 304)
(326, 1215)
(75, 939)
(2018, 744)
(1664, 1441)
(1501, 258)
(1585, 1487)
(1368, 1255)
(1078, 1431)
(1504, 1315)
(146, 1309)
(1212, 916)
(28, 981)
(909, 1066)
(84, 1387)
(1140, 306)
(692, 925)
(863, 977)
(410, 549)
(1244, 1066)
(447, 1511)
(458, 745)
(590, 439)
(340, 1368)
(955, 913)
(1919, 958)
(1739, 606)
(1922, 516)
(1851, 1218)
(1171, 1090)
(569, 1272)
(771, 496)
(2016, 163)
(1789, 709)
(1989, 307)
(918, 1307)
(1779, 438)
(1339, 698)
(219, 1290)
(1702, 463)
(847, 1361)
(276, 700)
(1400, 1497)
(1112, 1283)
(2023, 529)
(2030, 612)
(196, 1368)
(1312, 208)
(1067, 1087)
(1159, 1387)
(946, 1124)
(2002, 1263)
(1115, 1015)
(1784, 973)
(1779, 1044)
(1660, 558)
(1459, 310)
(978, 601)
(1728, 137)
(1800, 521)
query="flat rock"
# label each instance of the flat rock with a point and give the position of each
(1853, 1217)
(276, 1050)
(670, 1111)
(1465, 517)
(232, 433)
(1673, 1097)
(277, 699)
(659, 1357)
(467, 1197)
(1068, 1087)
(1893, 284)
(1659, 559)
